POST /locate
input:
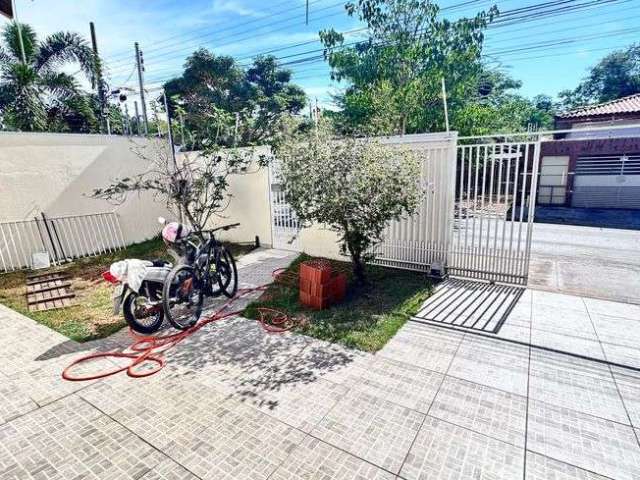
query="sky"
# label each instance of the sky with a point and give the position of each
(168, 31)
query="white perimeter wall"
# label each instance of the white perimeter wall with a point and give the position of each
(56, 174)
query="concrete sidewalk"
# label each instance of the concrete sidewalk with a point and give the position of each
(235, 402)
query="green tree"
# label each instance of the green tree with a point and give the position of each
(30, 91)
(352, 185)
(395, 75)
(269, 95)
(616, 75)
(213, 89)
(497, 107)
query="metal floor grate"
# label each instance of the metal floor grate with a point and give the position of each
(475, 305)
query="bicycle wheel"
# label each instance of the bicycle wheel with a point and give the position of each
(227, 273)
(182, 297)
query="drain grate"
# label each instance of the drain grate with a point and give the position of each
(469, 304)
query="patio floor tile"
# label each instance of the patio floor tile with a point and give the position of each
(495, 413)
(622, 355)
(69, 439)
(576, 343)
(615, 309)
(610, 330)
(540, 467)
(588, 442)
(301, 405)
(443, 450)
(557, 300)
(242, 443)
(160, 417)
(628, 383)
(494, 363)
(407, 385)
(314, 459)
(368, 427)
(562, 320)
(574, 383)
(169, 470)
(423, 346)
(13, 401)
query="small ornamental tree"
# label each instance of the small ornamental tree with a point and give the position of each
(355, 186)
(195, 186)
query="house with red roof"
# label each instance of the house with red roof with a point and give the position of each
(595, 161)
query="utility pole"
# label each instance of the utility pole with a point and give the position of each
(98, 76)
(126, 116)
(143, 103)
(135, 108)
(444, 101)
(15, 19)
(124, 125)
(169, 134)
(235, 131)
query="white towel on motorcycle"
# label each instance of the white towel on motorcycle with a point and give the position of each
(131, 272)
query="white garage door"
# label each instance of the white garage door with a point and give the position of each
(607, 182)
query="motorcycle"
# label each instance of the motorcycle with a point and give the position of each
(138, 292)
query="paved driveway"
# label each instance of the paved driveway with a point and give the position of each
(586, 261)
(237, 403)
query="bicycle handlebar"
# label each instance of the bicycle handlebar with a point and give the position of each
(224, 227)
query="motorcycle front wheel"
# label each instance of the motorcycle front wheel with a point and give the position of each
(182, 297)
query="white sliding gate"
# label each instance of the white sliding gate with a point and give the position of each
(495, 200)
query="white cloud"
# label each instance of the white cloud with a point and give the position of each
(235, 7)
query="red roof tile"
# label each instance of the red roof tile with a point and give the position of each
(630, 104)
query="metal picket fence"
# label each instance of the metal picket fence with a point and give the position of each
(64, 238)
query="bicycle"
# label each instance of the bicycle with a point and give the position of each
(207, 269)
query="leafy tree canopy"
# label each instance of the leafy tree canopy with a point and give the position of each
(37, 96)
(616, 75)
(395, 74)
(354, 186)
(213, 88)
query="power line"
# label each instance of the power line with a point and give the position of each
(533, 14)
(208, 28)
(537, 46)
(252, 34)
(289, 21)
(501, 40)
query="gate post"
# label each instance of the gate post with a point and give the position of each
(452, 159)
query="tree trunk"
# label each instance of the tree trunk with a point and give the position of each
(358, 266)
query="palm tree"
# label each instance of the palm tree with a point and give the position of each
(30, 91)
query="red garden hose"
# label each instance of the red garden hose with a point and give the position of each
(147, 349)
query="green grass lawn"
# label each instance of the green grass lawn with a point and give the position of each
(91, 315)
(366, 319)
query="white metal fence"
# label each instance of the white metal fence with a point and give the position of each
(63, 238)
